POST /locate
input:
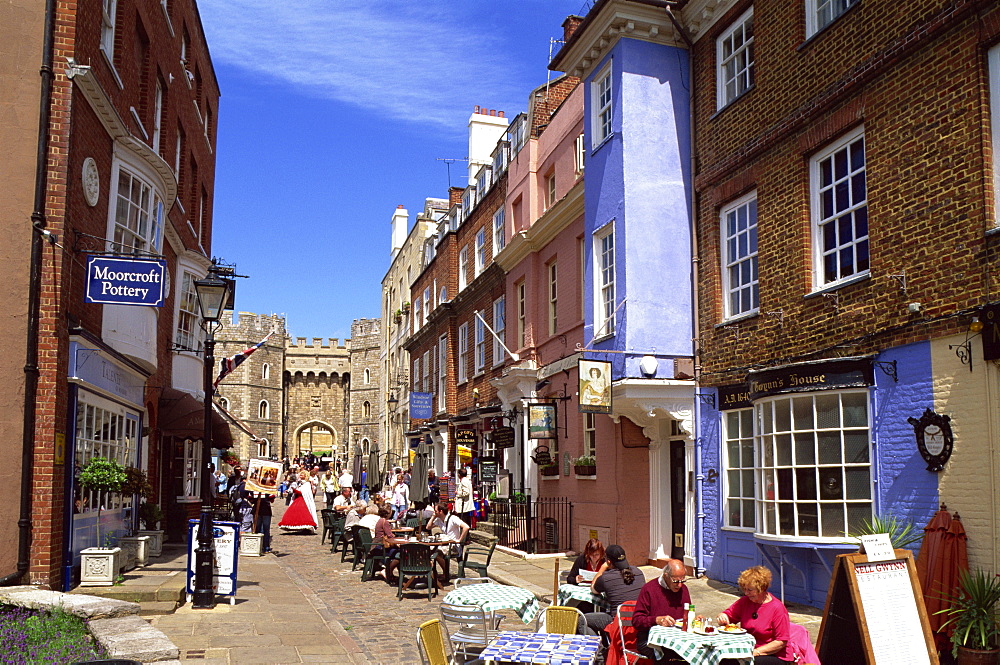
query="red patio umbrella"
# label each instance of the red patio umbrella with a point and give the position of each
(946, 558)
(930, 566)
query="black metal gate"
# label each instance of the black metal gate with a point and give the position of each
(540, 525)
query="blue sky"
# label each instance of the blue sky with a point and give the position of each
(333, 112)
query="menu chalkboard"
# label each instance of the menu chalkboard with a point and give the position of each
(875, 614)
(488, 470)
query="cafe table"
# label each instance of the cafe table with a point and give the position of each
(699, 649)
(493, 597)
(551, 648)
(583, 594)
(413, 540)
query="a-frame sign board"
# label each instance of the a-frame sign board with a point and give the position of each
(875, 614)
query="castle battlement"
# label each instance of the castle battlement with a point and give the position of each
(300, 344)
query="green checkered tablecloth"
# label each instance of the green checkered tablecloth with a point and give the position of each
(583, 594)
(703, 649)
(493, 597)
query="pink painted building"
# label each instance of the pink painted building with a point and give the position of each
(544, 262)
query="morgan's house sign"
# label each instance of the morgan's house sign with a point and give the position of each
(934, 438)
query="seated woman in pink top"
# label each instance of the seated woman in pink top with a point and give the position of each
(762, 615)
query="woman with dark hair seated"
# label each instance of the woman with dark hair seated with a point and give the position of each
(619, 581)
(763, 616)
(590, 560)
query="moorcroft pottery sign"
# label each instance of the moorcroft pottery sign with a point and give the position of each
(121, 281)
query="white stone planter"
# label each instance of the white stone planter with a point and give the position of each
(136, 549)
(99, 566)
(155, 541)
(252, 544)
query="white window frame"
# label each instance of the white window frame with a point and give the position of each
(552, 292)
(499, 327)
(499, 231)
(442, 386)
(178, 151)
(522, 324)
(734, 59)
(604, 282)
(463, 268)
(188, 314)
(602, 96)
(263, 410)
(427, 386)
(480, 341)
(993, 59)
(418, 319)
(550, 189)
(157, 117)
(416, 375)
(738, 242)
(106, 429)
(579, 154)
(481, 257)
(140, 229)
(796, 434)
(109, 11)
(814, 8)
(590, 434)
(857, 208)
(463, 353)
(428, 303)
(740, 481)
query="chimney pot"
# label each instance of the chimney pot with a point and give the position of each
(399, 207)
(499, 114)
(476, 109)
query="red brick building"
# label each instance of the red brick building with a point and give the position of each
(846, 205)
(126, 168)
(456, 297)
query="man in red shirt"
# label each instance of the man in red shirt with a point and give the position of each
(661, 603)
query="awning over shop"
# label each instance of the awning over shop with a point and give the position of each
(184, 416)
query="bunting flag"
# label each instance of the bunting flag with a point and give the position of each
(229, 364)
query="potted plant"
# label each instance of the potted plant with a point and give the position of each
(405, 308)
(551, 469)
(229, 457)
(398, 316)
(973, 618)
(585, 466)
(99, 565)
(150, 515)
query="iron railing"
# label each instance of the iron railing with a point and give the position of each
(536, 525)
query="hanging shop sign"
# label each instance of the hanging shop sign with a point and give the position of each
(934, 438)
(989, 316)
(488, 467)
(803, 377)
(119, 281)
(541, 421)
(595, 386)
(421, 406)
(503, 437)
(465, 437)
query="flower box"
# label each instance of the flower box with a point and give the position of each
(99, 566)
(552, 470)
(589, 470)
(252, 544)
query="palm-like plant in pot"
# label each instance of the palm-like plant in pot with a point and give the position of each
(104, 476)
(973, 617)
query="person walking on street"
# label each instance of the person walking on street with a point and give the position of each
(262, 516)
(329, 486)
(400, 497)
(464, 505)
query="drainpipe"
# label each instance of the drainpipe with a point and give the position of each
(34, 294)
(699, 443)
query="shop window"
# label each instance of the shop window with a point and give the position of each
(814, 464)
(187, 462)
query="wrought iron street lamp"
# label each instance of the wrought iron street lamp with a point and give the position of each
(213, 297)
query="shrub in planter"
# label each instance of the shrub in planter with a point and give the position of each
(973, 616)
(105, 476)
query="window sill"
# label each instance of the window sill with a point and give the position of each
(556, 477)
(838, 285)
(736, 319)
(802, 541)
(602, 338)
(592, 477)
(186, 499)
(728, 105)
(604, 142)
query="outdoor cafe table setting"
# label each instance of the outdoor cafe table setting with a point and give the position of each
(493, 597)
(583, 593)
(699, 648)
(552, 648)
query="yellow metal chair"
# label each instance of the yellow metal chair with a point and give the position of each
(432, 643)
(559, 619)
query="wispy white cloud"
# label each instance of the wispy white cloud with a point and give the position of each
(418, 61)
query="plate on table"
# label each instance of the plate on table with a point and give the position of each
(702, 631)
(733, 630)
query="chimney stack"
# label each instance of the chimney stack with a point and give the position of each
(570, 25)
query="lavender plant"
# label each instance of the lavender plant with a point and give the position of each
(31, 637)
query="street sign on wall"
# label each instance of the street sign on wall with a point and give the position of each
(115, 280)
(421, 406)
